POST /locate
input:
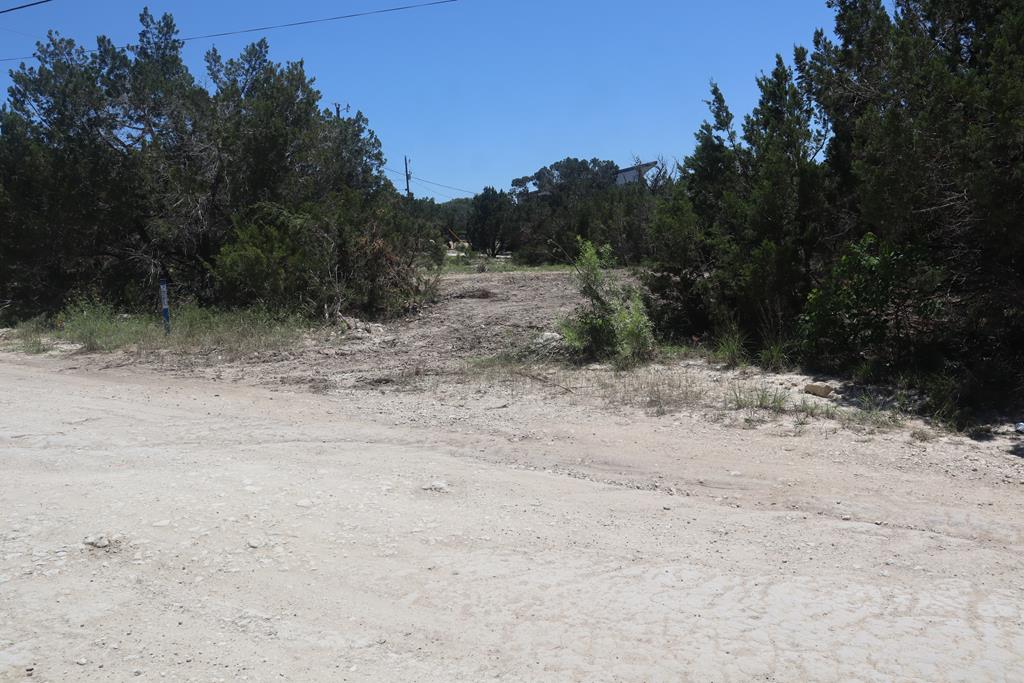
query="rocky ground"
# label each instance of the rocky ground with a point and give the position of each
(411, 502)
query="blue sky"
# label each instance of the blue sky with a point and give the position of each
(479, 92)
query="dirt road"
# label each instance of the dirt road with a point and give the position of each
(260, 535)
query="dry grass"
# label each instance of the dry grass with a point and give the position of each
(666, 390)
(924, 435)
(656, 391)
(816, 409)
(196, 331)
(757, 398)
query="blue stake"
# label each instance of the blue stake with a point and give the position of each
(166, 307)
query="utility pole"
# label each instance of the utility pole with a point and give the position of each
(408, 179)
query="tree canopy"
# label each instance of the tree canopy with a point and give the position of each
(117, 168)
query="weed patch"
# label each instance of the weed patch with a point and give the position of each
(98, 328)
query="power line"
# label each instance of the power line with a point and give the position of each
(319, 21)
(425, 187)
(25, 6)
(340, 17)
(449, 187)
(430, 182)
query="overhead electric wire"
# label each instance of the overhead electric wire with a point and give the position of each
(427, 188)
(431, 182)
(25, 6)
(320, 21)
(340, 17)
(449, 187)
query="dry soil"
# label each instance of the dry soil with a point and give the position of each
(388, 508)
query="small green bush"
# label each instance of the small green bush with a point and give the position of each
(612, 323)
(98, 327)
(634, 333)
(589, 335)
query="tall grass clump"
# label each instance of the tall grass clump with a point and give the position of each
(759, 398)
(774, 356)
(730, 349)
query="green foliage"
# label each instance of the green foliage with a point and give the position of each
(613, 322)
(278, 259)
(118, 168)
(853, 308)
(579, 199)
(634, 334)
(489, 224)
(337, 257)
(775, 356)
(30, 335)
(762, 397)
(590, 335)
(590, 273)
(861, 214)
(97, 328)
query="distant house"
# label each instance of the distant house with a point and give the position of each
(634, 174)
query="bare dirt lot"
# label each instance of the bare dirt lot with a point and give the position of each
(391, 507)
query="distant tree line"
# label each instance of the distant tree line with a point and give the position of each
(542, 215)
(865, 217)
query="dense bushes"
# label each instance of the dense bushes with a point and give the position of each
(333, 257)
(277, 258)
(118, 168)
(863, 219)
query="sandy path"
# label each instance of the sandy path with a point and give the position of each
(284, 536)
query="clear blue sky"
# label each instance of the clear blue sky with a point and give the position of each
(483, 91)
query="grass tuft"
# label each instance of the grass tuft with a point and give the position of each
(730, 350)
(774, 357)
(657, 392)
(817, 409)
(759, 398)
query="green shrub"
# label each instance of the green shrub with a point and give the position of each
(852, 312)
(278, 258)
(339, 258)
(676, 303)
(31, 335)
(612, 323)
(634, 333)
(98, 327)
(589, 335)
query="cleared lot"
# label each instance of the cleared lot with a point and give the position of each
(275, 535)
